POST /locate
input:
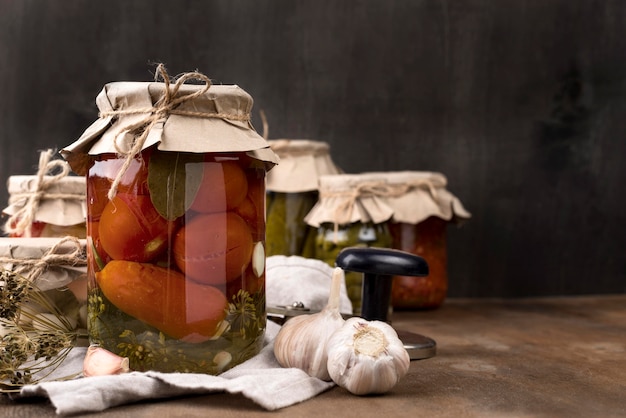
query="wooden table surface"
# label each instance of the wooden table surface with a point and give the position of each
(539, 357)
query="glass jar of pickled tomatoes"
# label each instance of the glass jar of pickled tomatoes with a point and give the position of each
(176, 226)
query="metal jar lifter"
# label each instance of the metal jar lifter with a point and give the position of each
(378, 266)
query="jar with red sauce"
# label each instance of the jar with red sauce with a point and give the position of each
(176, 224)
(422, 210)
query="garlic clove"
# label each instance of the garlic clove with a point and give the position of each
(301, 341)
(222, 359)
(366, 357)
(101, 362)
(258, 259)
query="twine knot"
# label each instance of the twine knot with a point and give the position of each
(32, 268)
(158, 113)
(21, 221)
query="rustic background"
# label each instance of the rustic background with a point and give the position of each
(520, 103)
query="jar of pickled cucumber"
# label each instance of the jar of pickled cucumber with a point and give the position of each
(349, 213)
(422, 210)
(49, 204)
(292, 191)
(175, 227)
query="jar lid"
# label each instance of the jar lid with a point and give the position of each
(302, 162)
(406, 196)
(57, 199)
(350, 198)
(415, 196)
(61, 201)
(174, 117)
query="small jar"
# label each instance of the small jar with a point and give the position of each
(349, 214)
(46, 205)
(292, 191)
(176, 226)
(331, 240)
(422, 209)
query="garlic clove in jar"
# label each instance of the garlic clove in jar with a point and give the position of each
(366, 357)
(101, 362)
(301, 341)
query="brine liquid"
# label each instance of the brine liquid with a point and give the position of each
(176, 260)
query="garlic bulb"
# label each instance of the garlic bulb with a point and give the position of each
(301, 342)
(366, 357)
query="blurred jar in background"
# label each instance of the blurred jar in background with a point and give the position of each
(46, 204)
(292, 191)
(422, 209)
(350, 213)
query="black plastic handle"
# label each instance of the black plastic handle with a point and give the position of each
(378, 266)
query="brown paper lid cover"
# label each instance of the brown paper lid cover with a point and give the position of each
(61, 203)
(216, 121)
(408, 197)
(21, 255)
(302, 162)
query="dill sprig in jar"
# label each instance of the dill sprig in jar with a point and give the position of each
(176, 228)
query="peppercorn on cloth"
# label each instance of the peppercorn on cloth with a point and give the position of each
(260, 379)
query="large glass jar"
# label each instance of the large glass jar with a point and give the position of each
(292, 191)
(176, 258)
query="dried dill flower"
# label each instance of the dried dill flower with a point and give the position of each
(14, 290)
(243, 315)
(30, 349)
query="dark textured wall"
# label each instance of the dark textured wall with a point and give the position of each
(520, 103)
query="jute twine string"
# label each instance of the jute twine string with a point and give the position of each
(21, 221)
(32, 268)
(165, 106)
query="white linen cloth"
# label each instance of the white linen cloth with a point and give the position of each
(260, 379)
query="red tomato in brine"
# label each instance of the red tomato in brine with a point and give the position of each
(132, 229)
(224, 186)
(213, 248)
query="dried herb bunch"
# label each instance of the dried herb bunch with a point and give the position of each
(35, 335)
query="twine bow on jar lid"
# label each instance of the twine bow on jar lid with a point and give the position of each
(349, 198)
(67, 251)
(418, 195)
(165, 106)
(172, 114)
(27, 194)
